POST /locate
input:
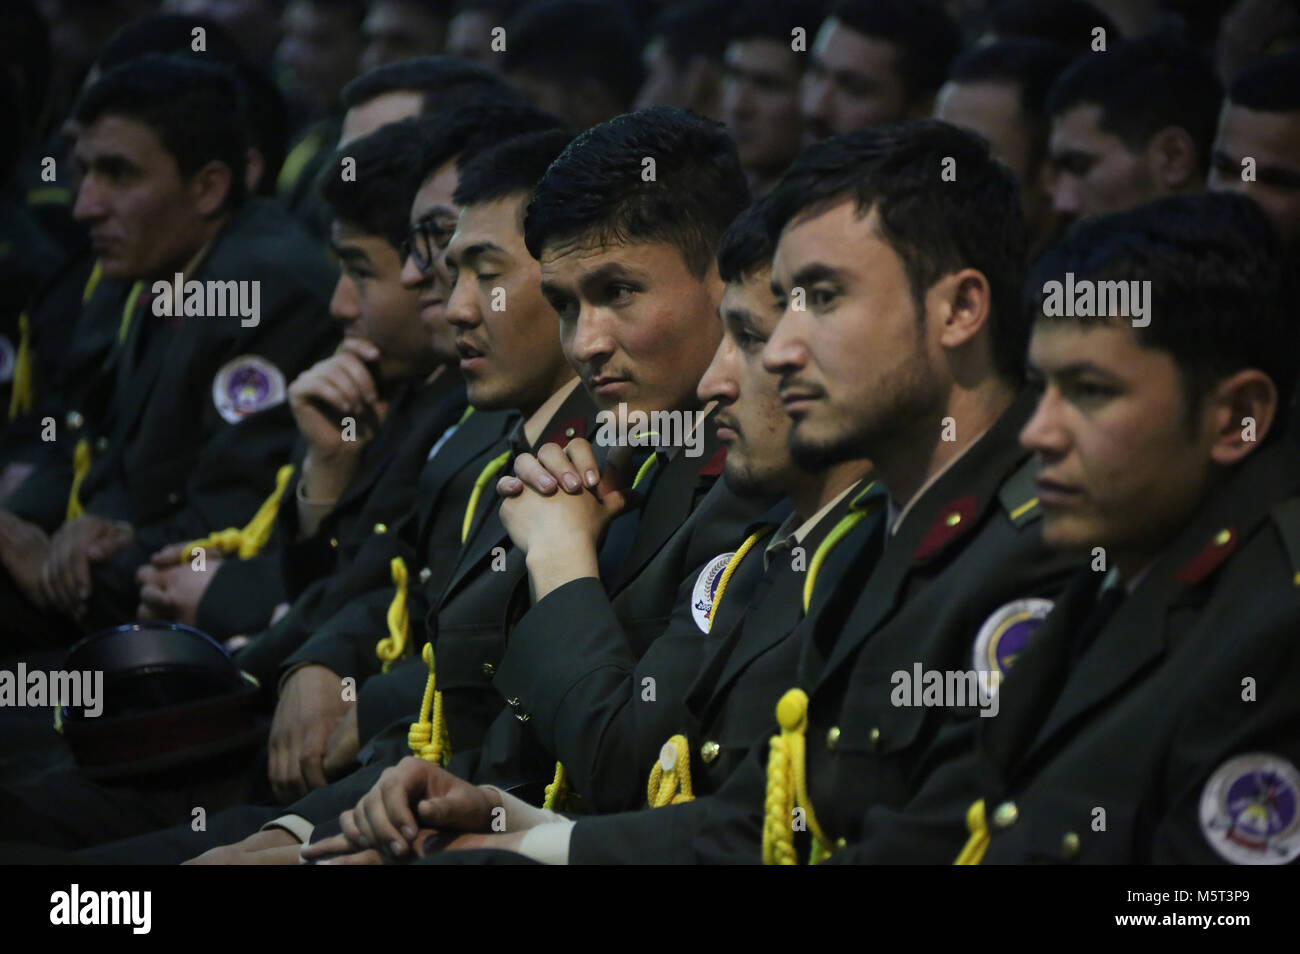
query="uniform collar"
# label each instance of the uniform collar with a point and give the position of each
(791, 532)
(528, 433)
(895, 516)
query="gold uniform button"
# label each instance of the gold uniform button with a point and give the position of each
(1070, 845)
(334, 542)
(873, 740)
(74, 420)
(832, 737)
(173, 498)
(489, 669)
(101, 444)
(425, 573)
(569, 432)
(841, 844)
(953, 519)
(709, 751)
(1005, 815)
(1222, 537)
(381, 528)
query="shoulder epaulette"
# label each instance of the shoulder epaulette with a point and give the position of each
(1019, 494)
(1287, 517)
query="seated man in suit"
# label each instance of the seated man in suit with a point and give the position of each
(172, 443)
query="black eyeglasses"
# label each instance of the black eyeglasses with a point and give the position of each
(425, 240)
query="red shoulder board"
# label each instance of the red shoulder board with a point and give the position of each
(954, 520)
(566, 431)
(1212, 554)
(714, 467)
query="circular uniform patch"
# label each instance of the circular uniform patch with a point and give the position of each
(706, 587)
(247, 385)
(1250, 810)
(1006, 633)
(8, 358)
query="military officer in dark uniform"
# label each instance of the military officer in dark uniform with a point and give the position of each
(179, 448)
(366, 416)
(1153, 718)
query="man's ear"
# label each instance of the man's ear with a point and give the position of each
(1173, 158)
(964, 301)
(1239, 411)
(209, 187)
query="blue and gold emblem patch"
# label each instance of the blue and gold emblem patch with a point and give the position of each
(1250, 810)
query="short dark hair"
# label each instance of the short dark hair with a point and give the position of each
(198, 111)
(1143, 86)
(775, 20)
(512, 167)
(1066, 23)
(596, 187)
(1030, 66)
(746, 247)
(1220, 294)
(173, 34)
(925, 35)
(1271, 86)
(576, 40)
(476, 124)
(378, 198)
(434, 76)
(694, 28)
(935, 227)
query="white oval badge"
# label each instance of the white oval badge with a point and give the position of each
(706, 588)
(1006, 634)
(246, 385)
(1250, 810)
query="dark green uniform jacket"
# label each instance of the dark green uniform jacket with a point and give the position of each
(970, 546)
(474, 627)
(469, 621)
(605, 708)
(1171, 735)
(566, 669)
(243, 594)
(338, 623)
(195, 424)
